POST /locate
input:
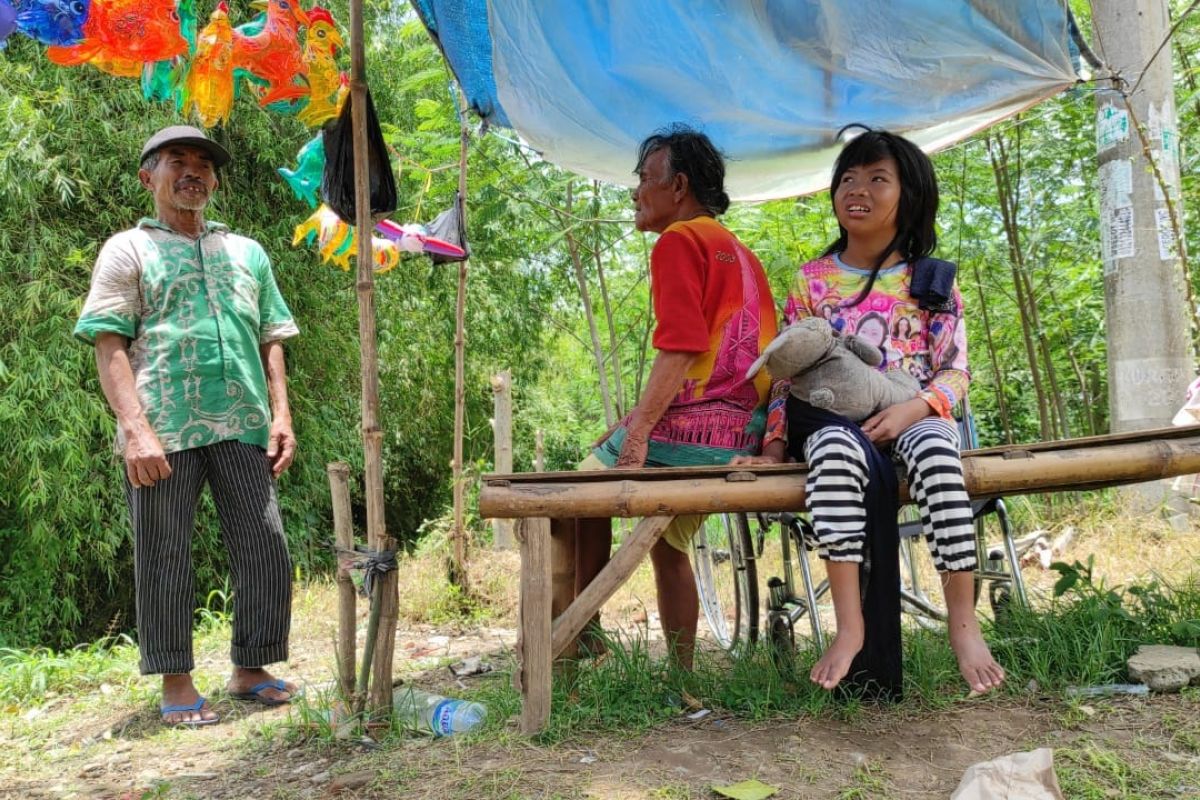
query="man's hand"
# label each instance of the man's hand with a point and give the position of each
(145, 462)
(281, 446)
(633, 452)
(885, 426)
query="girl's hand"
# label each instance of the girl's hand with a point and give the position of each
(885, 426)
(773, 453)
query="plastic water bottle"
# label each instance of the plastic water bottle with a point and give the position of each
(443, 716)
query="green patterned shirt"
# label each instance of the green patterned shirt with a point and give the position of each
(195, 312)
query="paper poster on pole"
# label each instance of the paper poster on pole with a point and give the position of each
(1112, 126)
(1166, 234)
(1116, 236)
(1116, 181)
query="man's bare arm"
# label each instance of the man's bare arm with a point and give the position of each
(145, 462)
(666, 377)
(281, 446)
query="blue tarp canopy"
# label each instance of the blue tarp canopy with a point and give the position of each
(770, 81)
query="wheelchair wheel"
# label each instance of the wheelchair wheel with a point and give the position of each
(726, 579)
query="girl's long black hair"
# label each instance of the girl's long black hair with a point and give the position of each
(916, 236)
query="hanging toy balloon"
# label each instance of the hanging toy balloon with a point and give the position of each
(414, 238)
(54, 22)
(336, 242)
(208, 88)
(305, 179)
(120, 36)
(8, 22)
(272, 54)
(326, 89)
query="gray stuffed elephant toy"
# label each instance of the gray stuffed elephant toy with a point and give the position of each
(836, 373)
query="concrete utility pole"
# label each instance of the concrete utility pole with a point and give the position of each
(1146, 293)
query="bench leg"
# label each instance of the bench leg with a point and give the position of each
(562, 573)
(533, 647)
(568, 625)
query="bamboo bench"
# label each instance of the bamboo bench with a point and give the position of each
(551, 617)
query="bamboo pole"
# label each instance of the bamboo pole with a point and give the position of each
(385, 602)
(343, 533)
(502, 533)
(458, 565)
(996, 473)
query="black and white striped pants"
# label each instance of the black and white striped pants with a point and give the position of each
(164, 515)
(837, 480)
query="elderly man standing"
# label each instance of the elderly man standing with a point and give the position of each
(188, 326)
(714, 315)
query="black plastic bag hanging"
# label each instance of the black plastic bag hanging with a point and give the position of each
(337, 182)
(449, 227)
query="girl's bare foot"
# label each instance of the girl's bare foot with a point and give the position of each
(975, 660)
(835, 662)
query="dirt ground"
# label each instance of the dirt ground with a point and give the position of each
(110, 744)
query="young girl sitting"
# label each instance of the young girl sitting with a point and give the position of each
(885, 198)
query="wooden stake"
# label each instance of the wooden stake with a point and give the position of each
(539, 451)
(502, 537)
(343, 535)
(386, 601)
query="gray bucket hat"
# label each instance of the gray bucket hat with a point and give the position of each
(185, 134)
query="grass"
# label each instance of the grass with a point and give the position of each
(633, 696)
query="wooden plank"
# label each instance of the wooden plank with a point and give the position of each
(987, 475)
(534, 648)
(570, 623)
(343, 536)
(676, 473)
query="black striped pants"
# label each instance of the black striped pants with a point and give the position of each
(837, 479)
(164, 515)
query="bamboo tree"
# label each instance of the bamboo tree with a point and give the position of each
(614, 352)
(1001, 403)
(999, 160)
(586, 298)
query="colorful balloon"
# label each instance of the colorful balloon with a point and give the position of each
(8, 22)
(120, 36)
(273, 54)
(327, 88)
(335, 241)
(208, 88)
(55, 22)
(414, 238)
(305, 179)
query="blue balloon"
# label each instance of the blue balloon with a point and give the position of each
(58, 22)
(8, 22)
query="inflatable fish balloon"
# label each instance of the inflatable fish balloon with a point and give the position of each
(208, 88)
(415, 238)
(122, 35)
(8, 22)
(53, 22)
(305, 179)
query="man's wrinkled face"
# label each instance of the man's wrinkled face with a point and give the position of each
(183, 179)
(654, 200)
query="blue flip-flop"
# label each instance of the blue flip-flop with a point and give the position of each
(256, 695)
(188, 723)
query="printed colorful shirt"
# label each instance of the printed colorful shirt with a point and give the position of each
(932, 347)
(711, 298)
(195, 312)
